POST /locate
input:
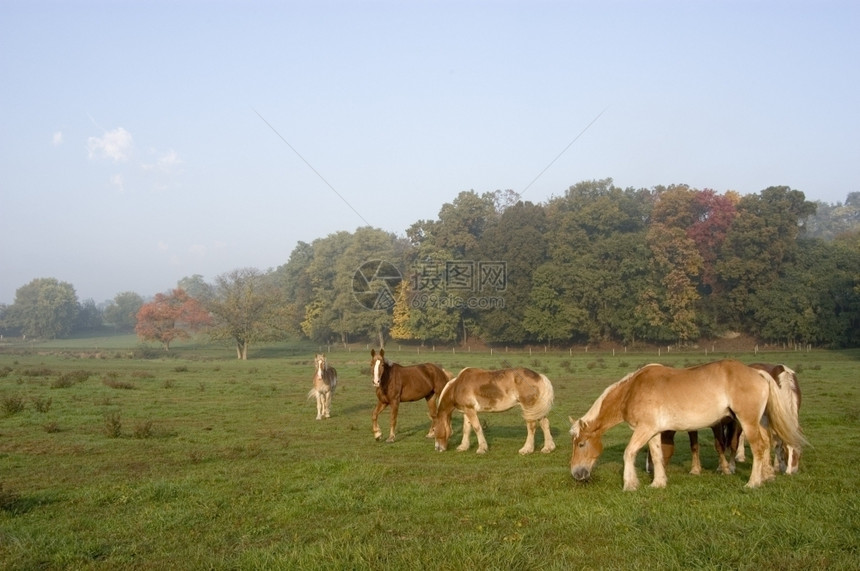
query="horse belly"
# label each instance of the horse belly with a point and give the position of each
(680, 410)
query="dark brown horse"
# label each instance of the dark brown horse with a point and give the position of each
(395, 384)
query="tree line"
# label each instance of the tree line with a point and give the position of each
(599, 263)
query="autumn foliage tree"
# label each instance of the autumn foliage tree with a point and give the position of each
(170, 316)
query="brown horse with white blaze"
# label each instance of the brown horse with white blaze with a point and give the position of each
(395, 384)
(476, 390)
(657, 398)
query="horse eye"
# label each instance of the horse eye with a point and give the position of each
(582, 444)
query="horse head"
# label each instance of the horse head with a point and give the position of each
(441, 429)
(587, 446)
(320, 365)
(377, 366)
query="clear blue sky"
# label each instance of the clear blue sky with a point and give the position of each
(132, 153)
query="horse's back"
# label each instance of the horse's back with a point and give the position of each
(499, 389)
(418, 381)
(702, 394)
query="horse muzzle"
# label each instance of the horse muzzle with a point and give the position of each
(440, 447)
(580, 473)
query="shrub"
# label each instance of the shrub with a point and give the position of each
(113, 425)
(13, 404)
(111, 380)
(70, 378)
(52, 427)
(42, 404)
(143, 429)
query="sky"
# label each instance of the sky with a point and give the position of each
(144, 142)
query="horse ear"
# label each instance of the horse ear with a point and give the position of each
(372, 353)
(382, 352)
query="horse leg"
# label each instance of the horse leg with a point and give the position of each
(319, 405)
(720, 447)
(655, 446)
(395, 405)
(327, 404)
(696, 468)
(377, 433)
(667, 444)
(479, 432)
(740, 452)
(548, 443)
(760, 448)
(529, 446)
(467, 431)
(637, 441)
(431, 412)
(793, 461)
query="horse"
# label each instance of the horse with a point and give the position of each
(728, 435)
(476, 390)
(395, 384)
(325, 381)
(786, 457)
(657, 398)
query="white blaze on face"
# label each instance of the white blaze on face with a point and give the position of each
(377, 372)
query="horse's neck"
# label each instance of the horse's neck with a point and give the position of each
(611, 412)
(387, 374)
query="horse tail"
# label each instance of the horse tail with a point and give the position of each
(546, 396)
(312, 394)
(783, 419)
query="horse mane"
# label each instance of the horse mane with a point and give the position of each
(449, 383)
(594, 412)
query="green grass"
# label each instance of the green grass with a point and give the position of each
(196, 460)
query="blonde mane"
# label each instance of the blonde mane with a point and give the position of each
(594, 411)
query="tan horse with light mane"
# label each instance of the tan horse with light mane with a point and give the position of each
(656, 398)
(476, 390)
(325, 381)
(728, 436)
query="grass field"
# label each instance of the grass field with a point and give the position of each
(109, 460)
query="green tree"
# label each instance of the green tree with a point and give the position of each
(761, 240)
(197, 287)
(246, 308)
(121, 311)
(89, 316)
(45, 307)
(516, 240)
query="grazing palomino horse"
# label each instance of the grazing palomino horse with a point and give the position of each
(728, 436)
(656, 398)
(325, 381)
(476, 390)
(395, 384)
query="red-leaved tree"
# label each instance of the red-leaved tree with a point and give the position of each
(170, 316)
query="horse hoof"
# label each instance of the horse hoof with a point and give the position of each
(547, 449)
(390, 439)
(525, 451)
